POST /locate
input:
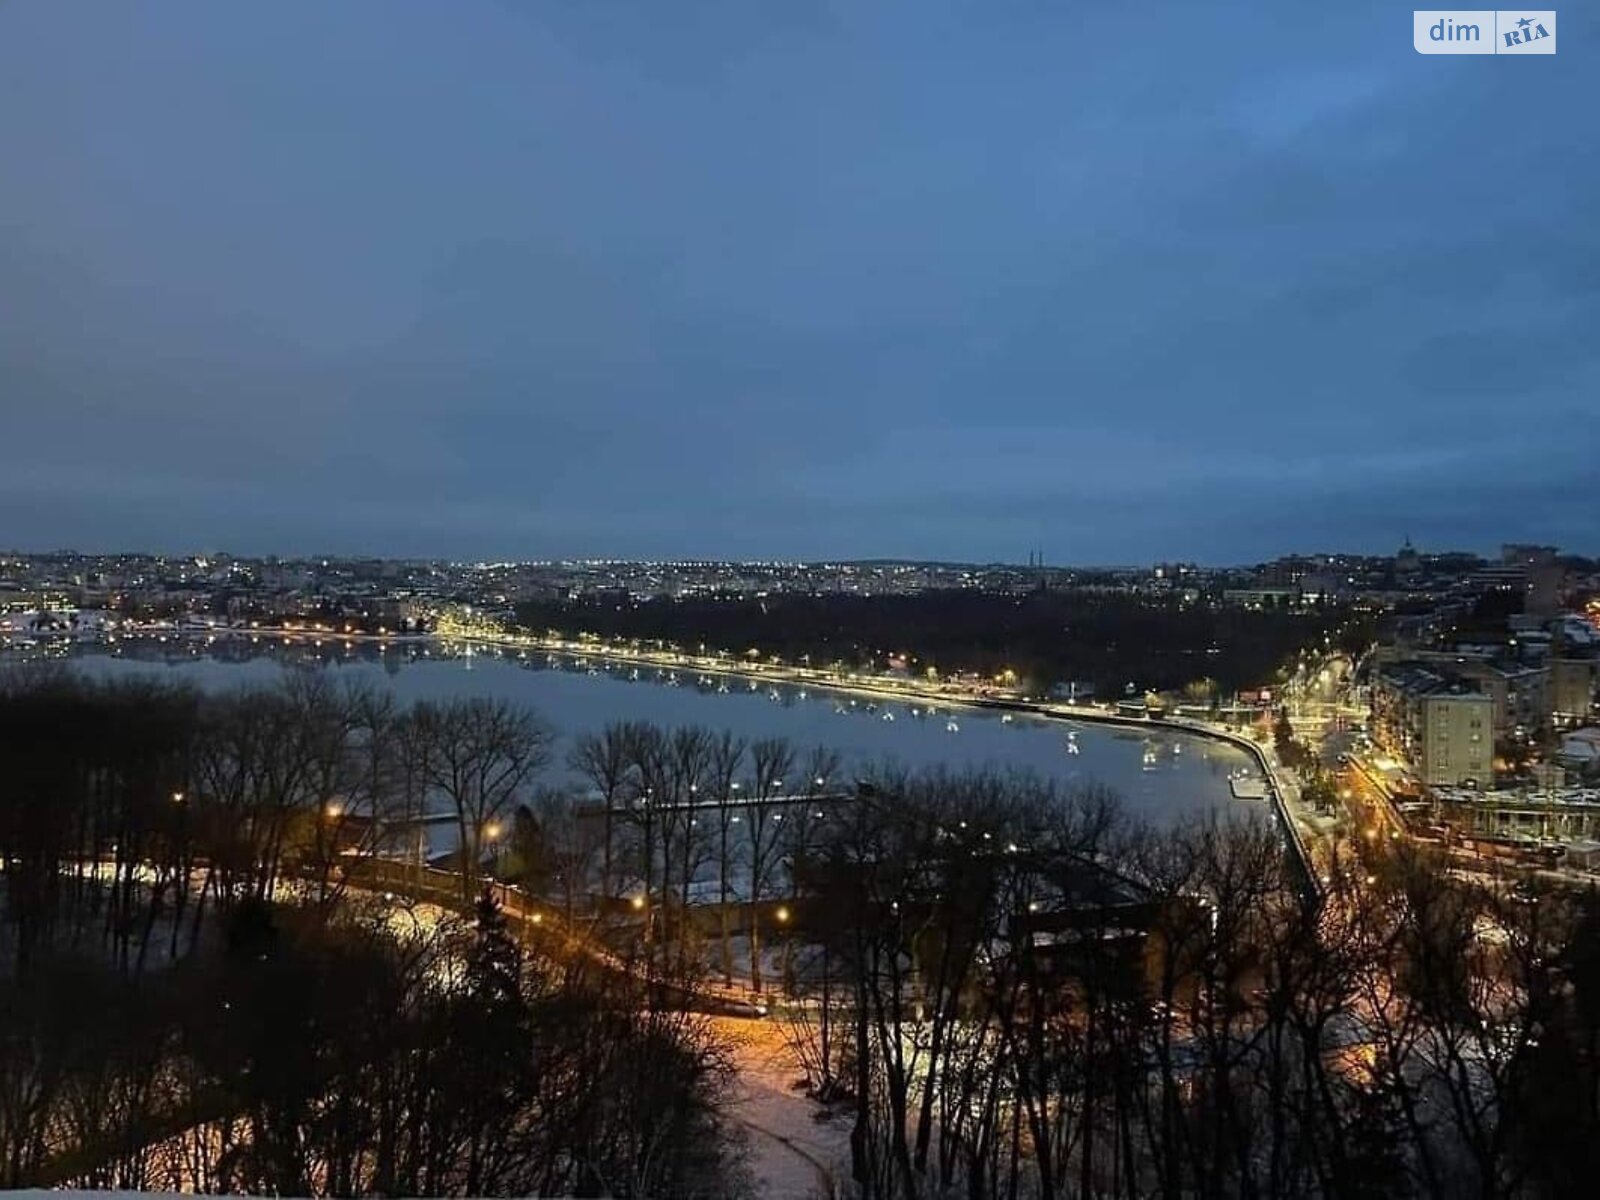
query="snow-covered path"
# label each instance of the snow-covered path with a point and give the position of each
(793, 1155)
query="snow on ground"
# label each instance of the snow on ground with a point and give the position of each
(772, 961)
(792, 1155)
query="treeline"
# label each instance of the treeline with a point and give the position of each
(1000, 988)
(1018, 995)
(688, 818)
(197, 992)
(312, 1056)
(129, 812)
(1046, 637)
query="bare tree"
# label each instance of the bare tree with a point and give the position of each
(690, 762)
(807, 824)
(608, 760)
(727, 759)
(482, 754)
(652, 793)
(772, 763)
(556, 848)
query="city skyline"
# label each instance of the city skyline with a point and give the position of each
(1027, 562)
(530, 283)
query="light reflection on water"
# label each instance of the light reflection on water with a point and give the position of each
(1160, 775)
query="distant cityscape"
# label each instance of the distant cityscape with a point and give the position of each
(1477, 691)
(1410, 581)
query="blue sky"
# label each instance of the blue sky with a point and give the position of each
(803, 280)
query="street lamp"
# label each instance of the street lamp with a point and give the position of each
(491, 834)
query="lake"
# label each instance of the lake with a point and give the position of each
(1161, 776)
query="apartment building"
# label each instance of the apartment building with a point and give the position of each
(1519, 695)
(1572, 686)
(1442, 726)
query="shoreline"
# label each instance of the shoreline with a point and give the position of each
(1048, 710)
(906, 691)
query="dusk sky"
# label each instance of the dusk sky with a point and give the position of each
(801, 280)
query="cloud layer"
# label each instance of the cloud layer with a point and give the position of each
(921, 279)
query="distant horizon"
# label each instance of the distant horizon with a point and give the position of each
(776, 561)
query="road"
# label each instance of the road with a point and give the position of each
(546, 924)
(1285, 788)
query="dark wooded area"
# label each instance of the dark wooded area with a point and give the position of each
(1108, 639)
